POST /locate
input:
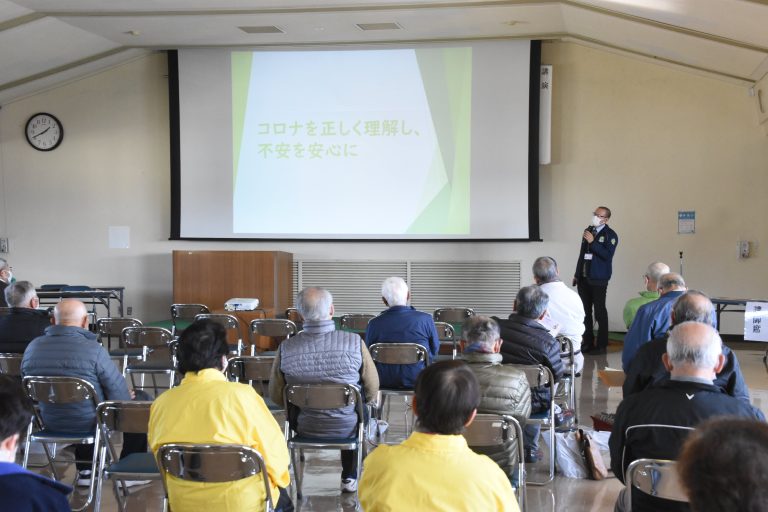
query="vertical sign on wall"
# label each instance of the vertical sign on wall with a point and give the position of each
(756, 321)
(545, 114)
(686, 222)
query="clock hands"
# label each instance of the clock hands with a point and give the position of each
(42, 132)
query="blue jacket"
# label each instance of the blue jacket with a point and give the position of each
(24, 491)
(602, 249)
(73, 352)
(402, 324)
(652, 321)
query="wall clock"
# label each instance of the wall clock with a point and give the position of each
(44, 132)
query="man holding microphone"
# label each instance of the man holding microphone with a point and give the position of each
(593, 271)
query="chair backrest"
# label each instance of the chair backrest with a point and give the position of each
(150, 337)
(637, 436)
(293, 315)
(399, 353)
(453, 315)
(355, 322)
(324, 396)
(113, 327)
(252, 370)
(654, 477)
(226, 321)
(59, 390)
(130, 416)
(537, 375)
(445, 332)
(212, 464)
(187, 311)
(273, 327)
(10, 364)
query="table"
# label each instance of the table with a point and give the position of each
(722, 303)
(97, 295)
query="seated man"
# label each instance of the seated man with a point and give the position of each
(206, 409)
(647, 368)
(565, 311)
(69, 349)
(6, 277)
(503, 388)
(401, 323)
(21, 489)
(723, 466)
(434, 469)
(652, 319)
(25, 322)
(527, 341)
(651, 278)
(320, 354)
(693, 358)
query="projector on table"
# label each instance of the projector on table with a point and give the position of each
(241, 304)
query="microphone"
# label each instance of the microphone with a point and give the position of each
(591, 229)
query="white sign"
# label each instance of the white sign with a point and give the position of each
(756, 321)
(686, 222)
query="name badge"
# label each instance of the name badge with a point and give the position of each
(588, 256)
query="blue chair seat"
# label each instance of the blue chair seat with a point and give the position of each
(323, 440)
(137, 464)
(150, 365)
(52, 436)
(132, 352)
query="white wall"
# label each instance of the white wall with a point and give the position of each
(644, 139)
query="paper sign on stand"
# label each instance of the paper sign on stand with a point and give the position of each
(756, 321)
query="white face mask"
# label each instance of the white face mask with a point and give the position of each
(595, 220)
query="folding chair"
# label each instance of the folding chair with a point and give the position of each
(276, 328)
(455, 316)
(495, 430)
(128, 417)
(108, 328)
(356, 323)
(10, 364)
(254, 371)
(183, 314)
(230, 323)
(209, 463)
(323, 396)
(566, 389)
(447, 335)
(397, 353)
(540, 375)
(293, 315)
(60, 391)
(654, 477)
(158, 358)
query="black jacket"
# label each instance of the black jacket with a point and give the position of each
(646, 370)
(20, 327)
(670, 403)
(526, 341)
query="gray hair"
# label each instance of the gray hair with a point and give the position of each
(656, 270)
(696, 344)
(671, 280)
(395, 291)
(694, 306)
(314, 303)
(545, 269)
(481, 330)
(18, 294)
(531, 302)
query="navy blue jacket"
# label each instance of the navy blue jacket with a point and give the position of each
(602, 249)
(402, 324)
(20, 327)
(24, 491)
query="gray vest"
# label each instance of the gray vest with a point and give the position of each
(320, 354)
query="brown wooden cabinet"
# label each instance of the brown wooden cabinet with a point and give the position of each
(213, 277)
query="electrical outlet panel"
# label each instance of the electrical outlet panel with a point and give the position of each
(3, 245)
(744, 248)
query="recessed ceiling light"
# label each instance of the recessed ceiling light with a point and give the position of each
(267, 29)
(379, 26)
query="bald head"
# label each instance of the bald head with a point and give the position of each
(671, 282)
(694, 350)
(71, 312)
(693, 306)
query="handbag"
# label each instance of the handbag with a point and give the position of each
(596, 469)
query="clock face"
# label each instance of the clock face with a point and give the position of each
(44, 132)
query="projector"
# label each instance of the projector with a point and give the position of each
(241, 304)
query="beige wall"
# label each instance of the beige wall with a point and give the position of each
(644, 139)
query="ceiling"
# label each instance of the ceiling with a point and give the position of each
(44, 42)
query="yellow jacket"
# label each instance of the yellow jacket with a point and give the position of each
(206, 409)
(433, 472)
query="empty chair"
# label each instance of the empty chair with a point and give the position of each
(156, 344)
(254, 371)
(540, 375)
(10, 364)
(276, 328)
(356, 322)
(454, 316)
(232, 326)
(495, 430)
(126, 417)
(60, 391)
(400, 354)
(183, 314)
(211, 464)
(112, 328)
(447, 335)
(323, 397)
(566, 389)
(293, 315)
(654, 477)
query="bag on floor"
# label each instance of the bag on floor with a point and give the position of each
(593, 460)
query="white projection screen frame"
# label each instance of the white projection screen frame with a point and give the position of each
(394, 143)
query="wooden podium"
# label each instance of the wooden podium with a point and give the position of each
(213, 277)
